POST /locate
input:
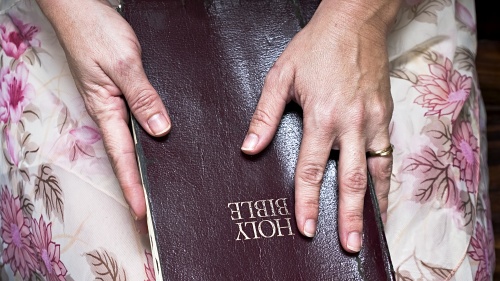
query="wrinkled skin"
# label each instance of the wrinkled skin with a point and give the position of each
(336, 69)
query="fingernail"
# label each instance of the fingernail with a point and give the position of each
(158, 124)
(250, 142)
(310, 228)
(354, 241)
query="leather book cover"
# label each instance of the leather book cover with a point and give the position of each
(214, 212)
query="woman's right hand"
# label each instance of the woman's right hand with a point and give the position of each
(104, 56)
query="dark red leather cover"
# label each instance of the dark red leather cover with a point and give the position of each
(208, 61)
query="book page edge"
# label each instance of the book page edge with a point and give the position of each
(151, 230)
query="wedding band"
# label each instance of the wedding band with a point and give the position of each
(384, 152)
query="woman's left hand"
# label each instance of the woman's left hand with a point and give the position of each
(336, 69)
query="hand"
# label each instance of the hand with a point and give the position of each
(336, 69)
(104, 57)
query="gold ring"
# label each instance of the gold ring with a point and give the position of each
(384, 152)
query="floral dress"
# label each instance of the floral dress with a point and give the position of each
(63, 216)
(439, 221)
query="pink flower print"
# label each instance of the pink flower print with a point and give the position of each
(464, 16)
(4, 109)
(481, 250)
(149, 268)
(48, 252)
(12, 43)
(85, 135)
(444, 92)
(15, 93)
(27, 30)
(16, 234)
(17, 39)
(84, 138)
(466, 154)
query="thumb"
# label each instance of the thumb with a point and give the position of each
(142, 99)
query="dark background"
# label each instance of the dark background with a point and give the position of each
(488, 67)
(488, 20)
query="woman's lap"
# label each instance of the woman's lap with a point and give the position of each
(57, 183)
(58, 190)
(439, 222)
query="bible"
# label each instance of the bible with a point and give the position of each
(215, 213)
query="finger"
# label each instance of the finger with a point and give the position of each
(380, 170)
(143, 100)
(314, 151)
(267, 115)
(121, 152)
(352, 189)
(141, 226)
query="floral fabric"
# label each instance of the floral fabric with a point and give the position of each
(63, 216)
(439, 222)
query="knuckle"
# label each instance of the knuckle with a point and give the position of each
(309, 203)
(100, 92)
(124, 63)
(385, 171)
(381, 111)
(127, 63)
(272, 75)
(328, 119)
(354, 216)
(143, 101)
(378, 109)
(311, 174)
(261, 118)
(99, 104)
(355, 182)
(381, 168)
(321, 115)
(278, 73)
(136, 46)
(117, 153)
